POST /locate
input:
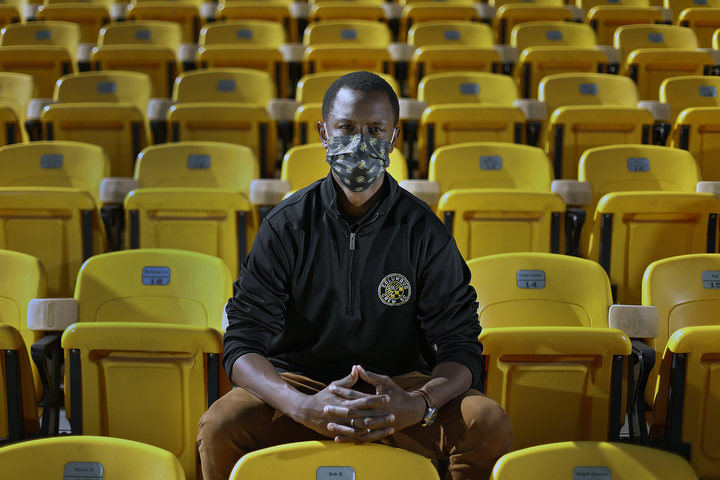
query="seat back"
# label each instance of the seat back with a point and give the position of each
(448, 32)
(131, 88)
(222, 85)
(690, 91)
(540, 289)
(348, 32)
(621, 461)
(59, 226)
(369, 460)
(552, 34)
(490, 165)
(197, 164)
(632, 37)
(118, 458)
(62, 34)
(54, 164)
(311, 88)
(588, 4)
(468, 87)
(142, 32)
(16, 89)
(606, 17)
(242, 32)
(565, 89)
(677, 6)
(90, 16)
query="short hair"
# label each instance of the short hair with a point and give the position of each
(364, 82)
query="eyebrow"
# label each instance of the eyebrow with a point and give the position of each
(376, 122)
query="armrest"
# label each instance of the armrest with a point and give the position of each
(157, 109)
(282, 109)
(115, 189)
(392, 10)
(573, 192)
(292, 52)
(84, 52)
(118, 11)
(47, 357)
(411, 109)
(53, 314)
(637, 321)
(300, 10)
(507, 53)
(30, 11)
(534, 110)
(36, 106)
(426, 190)
(659, 110)
(708, 187)
(268, 191)
(208, 10)
(578, 14)
(485, 11)
(401, 52)
(715, 54)
(612, 54)
(667, 14)
(187, 52)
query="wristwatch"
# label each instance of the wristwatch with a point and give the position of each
(431, 411)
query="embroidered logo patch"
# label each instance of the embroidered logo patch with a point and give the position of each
(394, 290)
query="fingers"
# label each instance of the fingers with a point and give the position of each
(356, 408)
(373, 378)
(348, 393)
(348, 381)
(370, 436)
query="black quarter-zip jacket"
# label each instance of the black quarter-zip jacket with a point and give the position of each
(318, 294)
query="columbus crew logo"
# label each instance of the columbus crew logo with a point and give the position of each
(394, 290)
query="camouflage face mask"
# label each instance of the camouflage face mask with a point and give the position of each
(358, 160)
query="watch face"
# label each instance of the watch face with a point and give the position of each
(430, 415)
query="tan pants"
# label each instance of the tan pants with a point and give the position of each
(471, 431)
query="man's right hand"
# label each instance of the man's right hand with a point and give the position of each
(331, 411)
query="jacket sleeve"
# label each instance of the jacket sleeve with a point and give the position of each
(257, 311)
(447, 304)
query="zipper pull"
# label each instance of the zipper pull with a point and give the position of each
(352, 241)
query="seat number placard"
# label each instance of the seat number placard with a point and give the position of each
(711, 279)
(531, 279)
(83, 471)
(592, 473)
(335, 473)
(490, 162)
(156, 276)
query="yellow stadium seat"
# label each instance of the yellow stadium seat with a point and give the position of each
(142, 362)
(344, 10)
(330, 460)
(11, 12)
(547, 48)
(445, 46)
(511, 14)
(589, 110)
(45, 50)
(606, 17)
(310, 93)
(653, 53)
(185, 13)
(270, 10)
(148, 47)
(490, 221)
(79, 456)
(305, 164)
(18, 419)
(557, 383)
(684, 419)
(226, 105)
(587, 459)
(245, 44)
(91, 16)
(695, 106)
(194, 196)
(704, 21)
(106, 109)
(16, 90)
(464, 107)
(424, 11)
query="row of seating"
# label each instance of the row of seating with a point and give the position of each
(141, 338)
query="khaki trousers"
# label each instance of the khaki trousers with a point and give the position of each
(471, 431)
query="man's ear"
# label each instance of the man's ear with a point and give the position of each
(394, 139)
(323, 134)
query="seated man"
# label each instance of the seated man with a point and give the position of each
(353, 292)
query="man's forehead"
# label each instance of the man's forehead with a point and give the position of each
(350, 103)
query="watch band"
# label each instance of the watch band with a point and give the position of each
(431, 411)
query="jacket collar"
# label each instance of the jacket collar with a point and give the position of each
(329, 196)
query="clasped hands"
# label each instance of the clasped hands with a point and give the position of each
(350, 416)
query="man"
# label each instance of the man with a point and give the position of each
(353, 288)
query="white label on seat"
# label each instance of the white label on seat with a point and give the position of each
(156, 276)
(638, 164)
(244, 34)
(51, 161)
(711, 279)
(700, 2)
(106, 87)
(656, 37)
(143, 34)
(83, 471)
(43, 35)
(588, 89)
(335, 473)
(452, 35)
(491, 162)
(198, 162)
(707, 91)
(469, 88)
(226, 85)
(348, 34)
(531, 279)
(554, 35)
(592, 473)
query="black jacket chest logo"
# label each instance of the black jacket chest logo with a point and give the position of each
(394, 290)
